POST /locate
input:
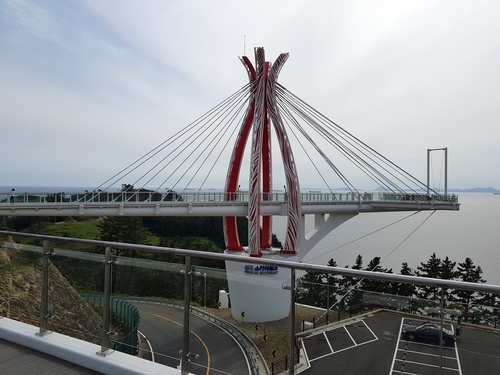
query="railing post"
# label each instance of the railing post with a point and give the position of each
(292, 322)
(441, 323)
(187, 297)
(106, 302)
(328, 299)
(44, 305)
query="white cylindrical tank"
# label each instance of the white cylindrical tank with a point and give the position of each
(256, 291)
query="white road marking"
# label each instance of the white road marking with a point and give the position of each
(397, 349)
(397, 346)
(347, 331)
(458, 359)
(346, 348)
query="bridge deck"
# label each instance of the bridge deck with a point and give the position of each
(212, 204)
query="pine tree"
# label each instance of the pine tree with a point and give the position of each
(127, 230)
(333, 283)
(352, 296)
(469, 272)
(447, 269)
(447, 272)
(348, 281)
(405, 289)
(429, 269)
(376, 285)
(314, 283)
(318, 285)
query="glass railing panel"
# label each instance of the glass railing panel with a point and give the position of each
(157, 289)
(20, 272)
(104, 197)
(147, 296)
(211, 316)
(72, 274)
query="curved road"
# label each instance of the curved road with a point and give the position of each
(218, 352)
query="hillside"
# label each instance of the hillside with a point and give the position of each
(20, 295)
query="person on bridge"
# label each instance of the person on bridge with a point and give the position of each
(12, 195)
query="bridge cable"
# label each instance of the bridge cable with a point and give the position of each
(164, 144)
(223, 129)
(365, 235)
(418, 227)
(189, 142)
(292, 120)
(356, 159)
(309, 157)
(212, 133)
(441, 174)
(186, 144)
(338, 145)
(349, 138)
(321, 153)
(381, 261)
(222, 150)
(327, 136)
(358, 144)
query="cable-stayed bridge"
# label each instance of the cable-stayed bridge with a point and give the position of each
(240, 134)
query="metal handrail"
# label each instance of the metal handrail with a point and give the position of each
(293, 266)
(486, 288)
(206, 197)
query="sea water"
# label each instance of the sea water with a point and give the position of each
(472, 232)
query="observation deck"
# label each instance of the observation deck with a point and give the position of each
(214, 203)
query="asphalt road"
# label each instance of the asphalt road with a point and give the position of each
(218, 352)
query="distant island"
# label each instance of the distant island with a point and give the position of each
(476, 190)
(489, 190)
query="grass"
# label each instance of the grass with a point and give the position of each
(83, 229)
(87, 229)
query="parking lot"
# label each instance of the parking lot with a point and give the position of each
(422, 358)
(342, 338)
(372, 344)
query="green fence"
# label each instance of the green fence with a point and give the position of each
(124, 314)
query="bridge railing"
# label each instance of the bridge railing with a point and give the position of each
(172, 196)
(251, 350)
(118, 278)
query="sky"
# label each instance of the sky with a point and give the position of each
(86, 87)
